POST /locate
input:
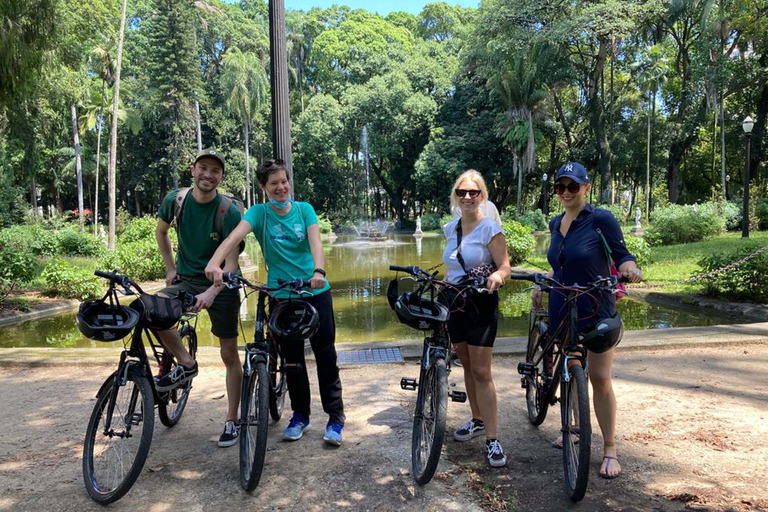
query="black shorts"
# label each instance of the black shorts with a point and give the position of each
(475, 320)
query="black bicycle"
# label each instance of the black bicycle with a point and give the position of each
(264, 383)
(421, 310)
(551, 362)
(120, 428)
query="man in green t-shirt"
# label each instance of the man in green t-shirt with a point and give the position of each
(198, 239)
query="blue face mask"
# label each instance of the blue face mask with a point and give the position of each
(279, 204)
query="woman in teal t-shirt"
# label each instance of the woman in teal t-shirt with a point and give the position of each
(289, 236)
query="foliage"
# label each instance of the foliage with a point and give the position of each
(140, 260)
(30, 237)
(676, 224)
(618, 212)
(16, 267)
(142, 228)
(520, 242)
(64, 279)
(640, 249)
(75, 243)
(324, 223)
(432, 222)
(534, 219)
(746, 282)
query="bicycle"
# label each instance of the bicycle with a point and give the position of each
(264, 383)
(435, 366)
(120, 428)
(550, 363)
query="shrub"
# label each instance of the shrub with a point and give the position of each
(617, 210)
(63, 279)
(520, 242)
(677, 224)
(142, 228)
(640, 249)
(16, 267)
(324, 223)
(748, 281)
(534, 219)
(75, 243)
(431, 222)
(141, 260)
(30, 237)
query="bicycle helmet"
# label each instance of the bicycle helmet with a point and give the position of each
(392, 293)
(420, 313)
(606, 334)
(98, 320)
(294, 320)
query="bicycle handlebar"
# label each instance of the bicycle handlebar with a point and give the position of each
(233, 280)
(544, 281)
(114, 277)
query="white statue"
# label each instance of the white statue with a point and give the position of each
(418, 226)
(638, 216)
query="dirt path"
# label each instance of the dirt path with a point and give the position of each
(692, 424)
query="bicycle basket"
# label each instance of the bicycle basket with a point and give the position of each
(100, 321)
(294, 320)
(160, 313)
(420, 313)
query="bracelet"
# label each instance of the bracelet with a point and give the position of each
(320, 271)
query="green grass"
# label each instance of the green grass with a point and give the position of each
(677, 262)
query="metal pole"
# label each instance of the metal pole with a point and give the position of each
(281, 114)
(745, 220)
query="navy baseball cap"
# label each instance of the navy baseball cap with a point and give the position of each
(574, 171)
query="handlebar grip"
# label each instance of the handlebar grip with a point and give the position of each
(398, 268)
(228, 277)
(525, 277)
(105, 275)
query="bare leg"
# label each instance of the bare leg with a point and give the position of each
(485, 389)
(231, 358)
(469, 382)
(605, 407)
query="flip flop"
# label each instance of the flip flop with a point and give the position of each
(606, 475)
(574, 432)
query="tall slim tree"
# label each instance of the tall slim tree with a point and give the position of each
(111, 170)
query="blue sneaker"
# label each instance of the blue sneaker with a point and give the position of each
(333, 433)
(296, 428)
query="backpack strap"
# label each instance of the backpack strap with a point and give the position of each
(221, 214)
(178, 205)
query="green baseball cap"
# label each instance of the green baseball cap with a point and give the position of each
(210, 153)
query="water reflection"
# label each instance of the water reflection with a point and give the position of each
(359, 277)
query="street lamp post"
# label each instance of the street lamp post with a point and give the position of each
(544, 201)
(747, 125)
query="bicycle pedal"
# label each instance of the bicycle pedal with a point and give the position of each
(406, 383)
(458, 396)
(527, 369)
(524, 383)
(292, 367)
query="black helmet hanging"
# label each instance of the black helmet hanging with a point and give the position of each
(294, 320)
(420, 313)
(98, 320)
(606, 334)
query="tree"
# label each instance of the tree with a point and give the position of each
(246, 85)
(111, 171)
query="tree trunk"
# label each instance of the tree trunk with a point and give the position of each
(34, 196)
(518, 169)
(113, 133)
(278, 79)
(96, 187)
(758, 134)
(597, 121)
(197, 123)
(564, 123)
(78, 168)
(652, 100)
(247, 164)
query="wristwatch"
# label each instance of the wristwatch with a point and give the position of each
(320, 271)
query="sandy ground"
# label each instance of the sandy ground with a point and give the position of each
(692, 423)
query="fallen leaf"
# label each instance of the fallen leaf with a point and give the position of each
(218, 397)
(156, 469)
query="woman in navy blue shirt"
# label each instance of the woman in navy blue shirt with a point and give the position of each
(577, 254)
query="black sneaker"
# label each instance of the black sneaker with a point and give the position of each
(176, 377)
(229, 436)
(495, 453)
(470, 428)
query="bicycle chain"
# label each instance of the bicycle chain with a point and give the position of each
(694, 279)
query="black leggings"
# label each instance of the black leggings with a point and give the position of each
(327, 367)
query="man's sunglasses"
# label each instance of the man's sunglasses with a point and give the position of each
(463, 193)
(277, 162)
(572, 187)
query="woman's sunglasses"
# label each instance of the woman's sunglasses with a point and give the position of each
(278, 162)
(572, 187)
(463, 193)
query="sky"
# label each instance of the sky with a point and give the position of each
(383, 7)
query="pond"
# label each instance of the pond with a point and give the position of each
(359, 275)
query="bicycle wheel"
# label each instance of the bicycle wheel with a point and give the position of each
(113, 459)
(535, 395)
(575, 394)
(429, 422)
(278, 386)
(253, 425)
(172, 403)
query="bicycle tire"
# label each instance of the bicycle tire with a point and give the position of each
(173, 402)
(429, 421)
(536, 401)
(278, 385)
(135, 393)
(254, 412)
(576, 457)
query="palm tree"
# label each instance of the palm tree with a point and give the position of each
(652, 73)
(520, 86)
(246, 84)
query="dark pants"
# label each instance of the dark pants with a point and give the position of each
(327, 367)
